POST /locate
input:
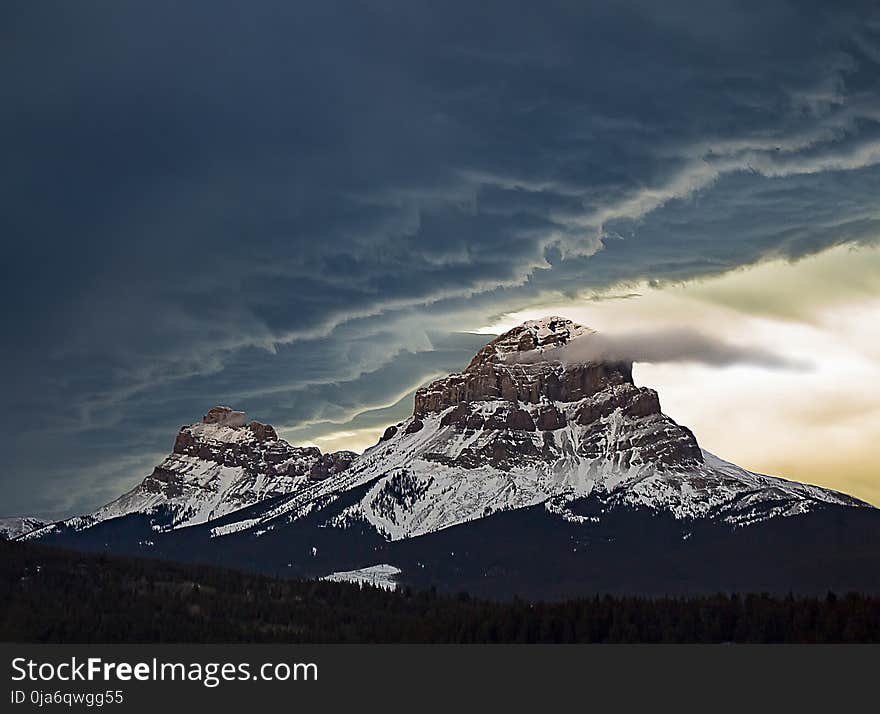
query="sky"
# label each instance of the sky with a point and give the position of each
(306, 210)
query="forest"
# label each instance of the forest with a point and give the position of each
(54, 595)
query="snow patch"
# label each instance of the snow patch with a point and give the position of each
(382, 576)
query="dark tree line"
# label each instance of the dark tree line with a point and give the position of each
(49, 595)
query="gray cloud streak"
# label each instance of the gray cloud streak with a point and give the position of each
(667, 345)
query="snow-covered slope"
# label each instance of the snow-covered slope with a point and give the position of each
(381, 575)
(16, 526)
(218, 466)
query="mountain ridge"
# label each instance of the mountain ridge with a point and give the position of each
(519, 428)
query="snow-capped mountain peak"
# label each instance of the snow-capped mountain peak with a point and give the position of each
(219, 465)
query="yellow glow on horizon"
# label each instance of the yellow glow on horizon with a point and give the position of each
(348, 440)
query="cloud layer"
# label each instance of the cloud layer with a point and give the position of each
(203, 204)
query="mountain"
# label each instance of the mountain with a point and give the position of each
(11, 528)
(523, 474)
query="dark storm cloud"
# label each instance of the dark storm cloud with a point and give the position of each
(203, 203)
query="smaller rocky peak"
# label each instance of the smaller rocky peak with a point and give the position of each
(223, 429)
(225, 416)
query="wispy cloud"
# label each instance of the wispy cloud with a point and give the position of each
(663, 346)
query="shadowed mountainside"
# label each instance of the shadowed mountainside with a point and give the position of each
(51, 595)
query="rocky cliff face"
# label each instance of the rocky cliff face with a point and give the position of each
(519, 366)
(518, 395)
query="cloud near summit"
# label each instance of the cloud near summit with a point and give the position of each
(681, 345)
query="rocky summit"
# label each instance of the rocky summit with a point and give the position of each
(524, 473)
(528, 405)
